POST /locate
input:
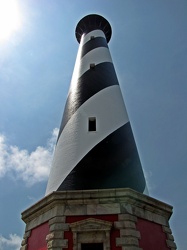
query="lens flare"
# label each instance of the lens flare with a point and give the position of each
(10, 18)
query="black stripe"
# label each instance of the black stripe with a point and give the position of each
(112, 163)
(93, 44)
(90, 83)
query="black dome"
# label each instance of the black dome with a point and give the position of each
(93, 22)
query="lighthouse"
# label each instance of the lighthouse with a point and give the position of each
(95, 147)
(96, 196)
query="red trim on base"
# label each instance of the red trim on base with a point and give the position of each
(37, 239)
(152, 235)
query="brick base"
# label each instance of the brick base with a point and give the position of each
(121, 219)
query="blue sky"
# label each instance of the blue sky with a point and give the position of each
(149, 51)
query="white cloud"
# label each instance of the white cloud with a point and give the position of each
(14, 242)
(30, 167)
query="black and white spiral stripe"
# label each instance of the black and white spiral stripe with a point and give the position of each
(107, 157)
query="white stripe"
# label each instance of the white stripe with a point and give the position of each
(75, 141)
(95, 33)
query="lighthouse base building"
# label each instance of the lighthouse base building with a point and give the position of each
(104, 219)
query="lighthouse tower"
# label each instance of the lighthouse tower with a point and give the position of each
(96, 196)
(95, 147)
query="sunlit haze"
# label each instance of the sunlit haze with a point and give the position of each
(10, 18)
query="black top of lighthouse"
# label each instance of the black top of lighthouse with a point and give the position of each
(93, 22)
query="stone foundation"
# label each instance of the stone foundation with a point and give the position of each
(120, 219)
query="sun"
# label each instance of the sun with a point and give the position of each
(10, 18)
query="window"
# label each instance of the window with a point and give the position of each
(91, 124)
(92, 246)
(91, 234)
(92, 65)
(92, 37)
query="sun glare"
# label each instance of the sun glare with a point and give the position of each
(10, 19)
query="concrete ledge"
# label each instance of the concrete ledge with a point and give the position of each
(124, 198)
(106, 208)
